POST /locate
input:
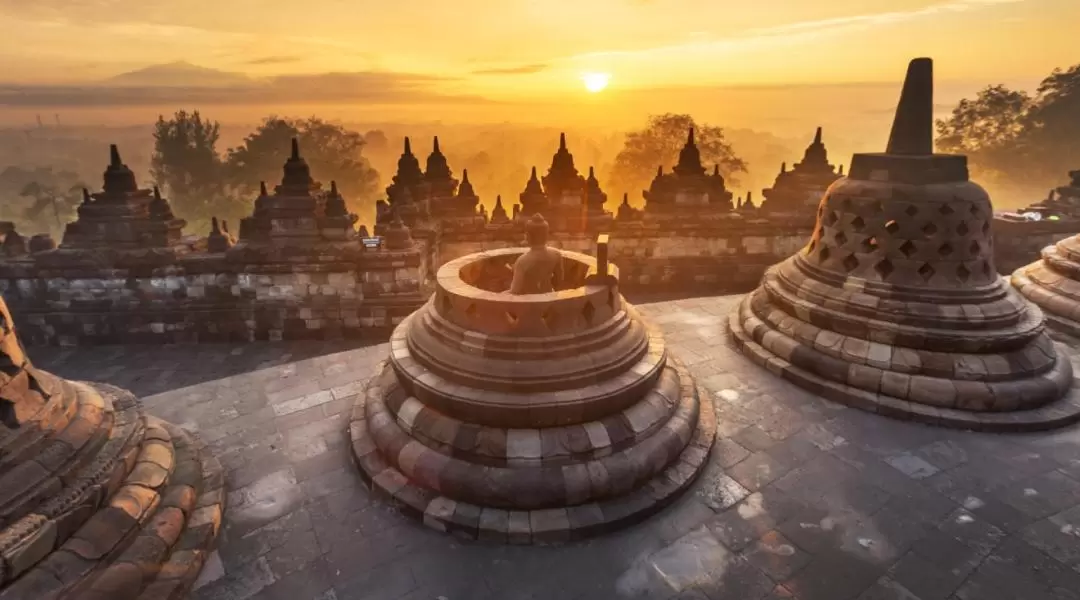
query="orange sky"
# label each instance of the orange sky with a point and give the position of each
(509, 47)
(535, 51)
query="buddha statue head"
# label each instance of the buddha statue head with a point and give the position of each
(536, 231)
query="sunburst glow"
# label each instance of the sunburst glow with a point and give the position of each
(595, 82)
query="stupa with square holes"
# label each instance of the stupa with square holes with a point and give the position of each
(98, 501)
(895, 306)
(528, 418)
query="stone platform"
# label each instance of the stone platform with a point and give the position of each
(1053, 283)
(801, 498)
(895, 306)
(97, 499)
(529, 418)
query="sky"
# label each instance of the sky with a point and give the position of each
(518, 52)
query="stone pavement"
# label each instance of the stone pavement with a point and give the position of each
(802, 498)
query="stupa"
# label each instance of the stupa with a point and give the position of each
(800, 189)
(1053, 283)
(298, 222)
(123, 219)
(441, 184)
(98, 501)
(408, 192)
(530, 418)
(688, 189)
(895, 306)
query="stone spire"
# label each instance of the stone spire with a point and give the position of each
(901, 266)
(562, 164)
(689, 158)
(398, 236)
(840, 171)
(297, 178)
(335, 203)
(797, 190)
(626, 212)
(498, 214)
(466, 198)
(594, 196)
(118, 177)
(217, 241)
(86, 196)
(913, 128)
(748, 206)
(262, 190)
(533, 185)
(408, 167)
(159, 207)
(437, 167)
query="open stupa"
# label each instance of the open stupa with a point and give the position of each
(523, 417)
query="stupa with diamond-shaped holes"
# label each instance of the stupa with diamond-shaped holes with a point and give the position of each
(530, 418)
(895, 305)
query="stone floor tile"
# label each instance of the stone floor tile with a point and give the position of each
(776, 556)
(858, 494)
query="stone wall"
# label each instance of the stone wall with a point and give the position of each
(200, 297)
(725, 254)
(206, 298)
(1017, 244)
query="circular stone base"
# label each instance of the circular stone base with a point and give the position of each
(544, 526)
(1060, 413)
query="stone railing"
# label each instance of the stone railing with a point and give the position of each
(199, 297)
(225, 297)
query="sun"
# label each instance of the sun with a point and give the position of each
(596, 82)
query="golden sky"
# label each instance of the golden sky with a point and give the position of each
(508, 48)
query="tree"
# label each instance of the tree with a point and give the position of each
(1014, 138)
(185, 161)
(659, 143)
(50, 208)
(333, 152)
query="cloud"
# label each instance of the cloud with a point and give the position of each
(273, 60)
(518, 70)
(804, 30)
(375, 87)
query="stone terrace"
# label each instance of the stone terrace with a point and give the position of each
(802, 499)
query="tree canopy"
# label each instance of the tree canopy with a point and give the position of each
(333, 152)
(1013, 137)
(658, 144)
(202, 183)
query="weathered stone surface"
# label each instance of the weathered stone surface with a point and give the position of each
(546, 419)
(104, 516)
(902, 309)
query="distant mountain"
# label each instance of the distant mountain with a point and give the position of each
(178, 74)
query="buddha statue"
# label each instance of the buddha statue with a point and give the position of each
(538, 271)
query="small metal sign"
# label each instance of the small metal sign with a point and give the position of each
(372, 242)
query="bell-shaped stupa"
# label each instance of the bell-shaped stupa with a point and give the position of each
(895, 306)
(97, 499)
(1053, 283)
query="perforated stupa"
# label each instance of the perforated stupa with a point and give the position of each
(895, 305)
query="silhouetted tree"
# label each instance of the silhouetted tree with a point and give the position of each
(50, 207)
(39, 199)
(185, 162)
(659, 144)
(1009, 135)
(333, 152)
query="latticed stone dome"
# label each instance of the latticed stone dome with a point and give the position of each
(895, 305)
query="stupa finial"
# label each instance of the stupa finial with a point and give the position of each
(562, 141)
(114, 156)
(262, 189)
(913, 127)
(295, 149)
(690, 137)
(408, 146)
(841, 171)
(157, 193)
(783, 167)
(435, 147)
(817, 135)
